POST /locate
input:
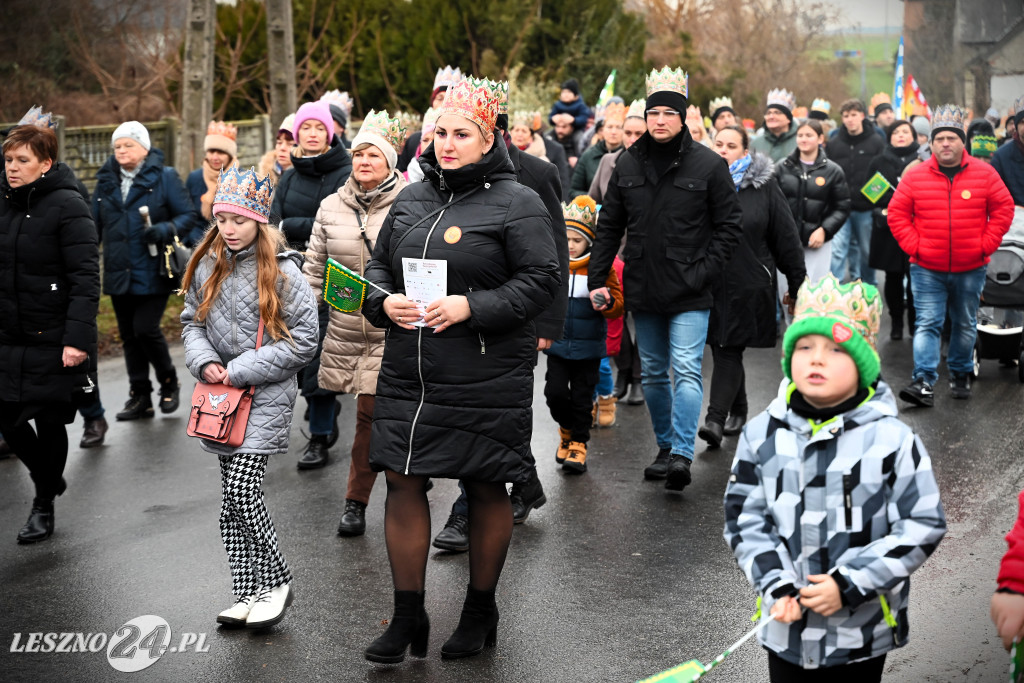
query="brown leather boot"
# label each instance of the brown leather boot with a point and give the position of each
(563, 445)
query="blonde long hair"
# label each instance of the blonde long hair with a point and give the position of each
(269, 243)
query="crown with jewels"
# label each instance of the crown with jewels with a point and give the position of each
(824, 106)
(613, 112)
(523, 118)
(1018, 105)
(476, 101)
(500, 87)
(719, 103)
(244, 192)
(855, 304)
(949, 116)
(340, 99)
(222, 128)
(36, 117)
(636, 109)
(668, 80)
(579, 215)
(781, 97)
(390, 129)
(447, 77)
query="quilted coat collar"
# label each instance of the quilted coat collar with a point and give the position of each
(880, 405)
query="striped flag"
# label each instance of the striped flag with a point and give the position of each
(916, 103)
(897, 86)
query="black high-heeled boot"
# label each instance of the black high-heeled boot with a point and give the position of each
(40, 522)
(478, 626)
(409, 627)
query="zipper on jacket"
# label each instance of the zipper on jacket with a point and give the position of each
(949, 204)
(419, 348)
(480, 335)
(848, 500)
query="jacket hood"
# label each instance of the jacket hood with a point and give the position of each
(760, 171)
(331, 160)
(59, 177)
(495, 165)
(881, 404)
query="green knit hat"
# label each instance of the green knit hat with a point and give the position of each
(847, 314)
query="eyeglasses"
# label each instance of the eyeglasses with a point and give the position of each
(667, 113)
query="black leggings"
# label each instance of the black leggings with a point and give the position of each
(728, 393)
(867, 671)
(138, 322)
(894, 292)
(44, 450)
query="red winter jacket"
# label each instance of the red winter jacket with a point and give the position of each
(1011, 569)
(950, 228)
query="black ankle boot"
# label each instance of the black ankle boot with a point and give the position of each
(478, 626)
(139, 405)
(170, 395)
(409, 627)
(621, 385)
(40, 522)
(315, 455)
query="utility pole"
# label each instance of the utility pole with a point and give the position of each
(281, 59)
(197, 93)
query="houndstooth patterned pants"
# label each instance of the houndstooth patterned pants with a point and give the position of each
(246, 527)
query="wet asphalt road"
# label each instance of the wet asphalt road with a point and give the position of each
(614, 579)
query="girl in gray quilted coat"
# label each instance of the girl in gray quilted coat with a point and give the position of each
(239, 274)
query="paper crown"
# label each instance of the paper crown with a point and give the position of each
(879, 98)
(390, 130)
(244, 192)
(983, 146)
(636, 110)
(340, 99)
(693, 114)
(523, 118)
(824, 106)
(36, 117)
(579, 215)
(447, 77)
(719, 103)
(613, 112)
(223, 129)
(949, 116)
(781, 97)
(1018, 105)
(477, 102)
(668, 79)
(848, 314)
(500, 87)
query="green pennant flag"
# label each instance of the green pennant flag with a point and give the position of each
(608, 91)
(876, 187)
(345, 289)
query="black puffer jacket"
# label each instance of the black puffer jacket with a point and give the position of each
(818, 194)
(308, 182)
(854, 154)
(49, 287)
(542, 177)
(885, 251)
(458, 404)
(744, 310)
(681, 228)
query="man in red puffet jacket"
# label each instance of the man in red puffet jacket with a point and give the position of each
(1008, 600)
(948, 214)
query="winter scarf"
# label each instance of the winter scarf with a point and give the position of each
(738, 168)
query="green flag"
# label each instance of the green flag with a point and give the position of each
(345, 289)
(876, 188)
(608, 91)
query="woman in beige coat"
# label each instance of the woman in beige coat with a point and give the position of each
(346, 230)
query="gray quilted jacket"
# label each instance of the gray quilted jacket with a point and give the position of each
(853, 497)
(228, 337)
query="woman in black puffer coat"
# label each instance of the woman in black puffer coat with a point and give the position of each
(320, 165)
(743, 314)
(454, 398)
(819, 197)
(49, 296)
(899, 155)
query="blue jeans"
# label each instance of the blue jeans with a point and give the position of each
(321, 414)
(673, 341)
(933, 292)
(605, 382)
(852, 243)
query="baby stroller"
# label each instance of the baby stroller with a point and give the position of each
(1004, 289)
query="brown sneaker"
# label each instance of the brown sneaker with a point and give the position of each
(577, 460)
(563, 445)
(606, 410)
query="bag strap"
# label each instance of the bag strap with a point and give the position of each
(259, 343)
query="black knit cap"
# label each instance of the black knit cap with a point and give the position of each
(783, 108)
(573, 85)
(884, 106)
(667, 98)
(721, 110)
(338, 114)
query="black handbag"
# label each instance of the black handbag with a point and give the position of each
(176, 256)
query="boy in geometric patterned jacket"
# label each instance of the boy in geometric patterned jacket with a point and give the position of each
(832, 503)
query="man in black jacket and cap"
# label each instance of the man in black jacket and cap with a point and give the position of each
(676, 203)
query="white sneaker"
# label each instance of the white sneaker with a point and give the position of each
(269, 606)
(237, 613)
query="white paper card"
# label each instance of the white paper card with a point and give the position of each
(426, 281)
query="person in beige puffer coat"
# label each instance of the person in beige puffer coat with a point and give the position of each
(346, 230)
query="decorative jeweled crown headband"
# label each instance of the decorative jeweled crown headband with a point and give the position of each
(718, 103)
(447, 77)
(781, 96)
(246, 190)
(340, 99)
(36, 117)
(821, 105)
(948, 116)
(222, 128)
(390, 129)
(854, 303)
(668, 79)
(476, 102)
(636, 109)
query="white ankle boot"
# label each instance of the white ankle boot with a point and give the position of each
(269, 606)
(237, 613)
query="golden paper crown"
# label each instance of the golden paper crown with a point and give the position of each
(855, 304)
(523, 118)
(824, 106)
(637, 109)
(781, 97)
(222, 128)
(718, 103)
(579, 214)
(693, 114)
(500, 87)
(476, 102)
(447, 77)
(615, 112)
(340, 99)
(245, 192)
(949, 116)
(36, 117)
(670, 80)
(390, 130)
(877, 99)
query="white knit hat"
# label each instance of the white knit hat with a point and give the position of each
(134, 130)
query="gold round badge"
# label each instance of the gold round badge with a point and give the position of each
(966, 194)
(453, 234)
(819, 181)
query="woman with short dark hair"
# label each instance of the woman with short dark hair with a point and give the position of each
(49, 297)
